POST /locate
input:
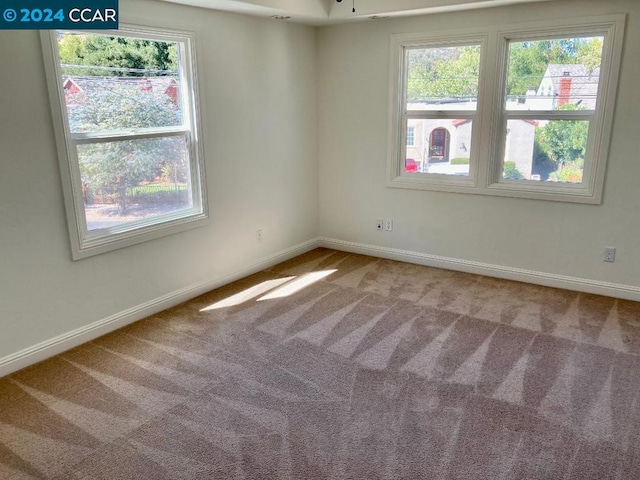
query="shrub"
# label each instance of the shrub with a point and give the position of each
(459, 161)
(511, 172)
(569, 173)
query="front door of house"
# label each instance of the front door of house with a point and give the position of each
(439, 145)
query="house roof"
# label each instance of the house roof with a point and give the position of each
(89, 83)
(584, 82)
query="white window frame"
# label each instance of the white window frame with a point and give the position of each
(88, 243)
(488, 139)
(399, 114)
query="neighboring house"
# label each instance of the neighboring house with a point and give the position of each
(519, 145)
(78, 84)
(435, 142)
(566, 84)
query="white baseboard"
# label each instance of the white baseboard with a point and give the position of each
(66, 341)
(61, 343)
(627, 292)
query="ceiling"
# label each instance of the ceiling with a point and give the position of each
(327, 12)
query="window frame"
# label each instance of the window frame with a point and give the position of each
(86, 243)
(399, 116)
(488, 145)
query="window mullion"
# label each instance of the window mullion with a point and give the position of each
(493, 72)
(426, 114)
(84, 138)
(550, 115)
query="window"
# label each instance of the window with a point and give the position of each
(125, 108)
(529, 117)
(411, 136)
(547, 135)
(440, 101)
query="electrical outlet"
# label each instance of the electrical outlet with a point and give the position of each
(609, 254)
(259, 235)
(388, 225)
(380, 224)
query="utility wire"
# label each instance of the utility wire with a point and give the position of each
(119, 69)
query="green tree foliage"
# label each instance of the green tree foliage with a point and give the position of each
(528, 61)
(567, 174)
(542, 164)
(443, 73)
(589, 53)
(564, 141)
(82, 50)
(111, 100)
(511, 172)
(112, 104)
(447, 73)
(117, 166)
(560, 148)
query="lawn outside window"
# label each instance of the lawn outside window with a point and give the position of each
(125, 109)
(521, 111)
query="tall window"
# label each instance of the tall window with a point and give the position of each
(125, 108)
(441, 91)
(529, 117)
(411, 136)
(547, 132)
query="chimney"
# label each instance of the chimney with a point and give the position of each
(565, 89)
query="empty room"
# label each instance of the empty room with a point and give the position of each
(320, 239)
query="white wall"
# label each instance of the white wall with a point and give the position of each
(557, 238)
(281, 101)
(260, 138)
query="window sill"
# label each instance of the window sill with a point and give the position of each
(516, 189)
(94, 244)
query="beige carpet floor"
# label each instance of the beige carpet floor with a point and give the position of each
(340, 366)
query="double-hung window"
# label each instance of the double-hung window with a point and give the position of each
(523, 111)
(438, 93)
(125, 109)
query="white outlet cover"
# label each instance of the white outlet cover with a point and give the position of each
(609, 254)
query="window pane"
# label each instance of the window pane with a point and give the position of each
(440, 146)
(443, 78)
(410, 136)
(134, 180)
(542, 150)
(554, 74)
(114, 83)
